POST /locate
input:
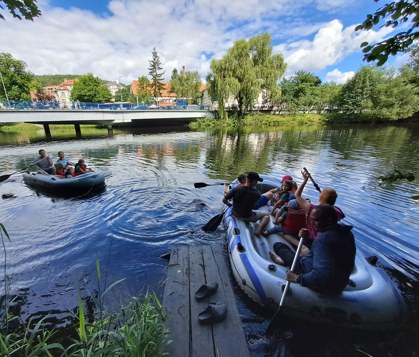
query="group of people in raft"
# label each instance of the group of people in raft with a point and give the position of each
(62, 168)
(328, 255)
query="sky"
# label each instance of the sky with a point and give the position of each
(114, 39)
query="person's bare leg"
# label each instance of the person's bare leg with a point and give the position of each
(259, 227)
(276, 258)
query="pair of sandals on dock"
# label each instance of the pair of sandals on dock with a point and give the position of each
(215, 311)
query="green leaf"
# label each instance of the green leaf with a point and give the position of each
(3, 228)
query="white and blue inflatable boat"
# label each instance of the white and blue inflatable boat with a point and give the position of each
(369, 301)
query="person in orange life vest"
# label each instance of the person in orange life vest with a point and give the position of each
(271, 194)
(69, 172)
(59, 170)
(81, 168)
(327, 196)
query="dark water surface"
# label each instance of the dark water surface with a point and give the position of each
(150, 203)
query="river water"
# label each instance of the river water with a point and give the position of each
(150, 204)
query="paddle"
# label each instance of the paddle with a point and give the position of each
(5, 177)
(203, 184)
(314, 182)
(275, 317)
(214, 222)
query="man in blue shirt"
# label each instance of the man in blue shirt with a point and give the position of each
(326, 269)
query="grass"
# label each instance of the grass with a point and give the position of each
(57, 131)
(260, 121)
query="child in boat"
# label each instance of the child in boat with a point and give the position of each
(81, 168)
(287, 191)
(241, 179)
(59, 169)
(63, 160)
(69, 172)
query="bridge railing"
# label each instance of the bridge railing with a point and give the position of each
(54, 105)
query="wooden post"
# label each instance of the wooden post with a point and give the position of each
(47, 131)
(78, 131)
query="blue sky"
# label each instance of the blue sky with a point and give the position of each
(114, 39)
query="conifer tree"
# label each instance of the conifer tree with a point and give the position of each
(156, 74)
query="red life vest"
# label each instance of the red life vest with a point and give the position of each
(296, 219)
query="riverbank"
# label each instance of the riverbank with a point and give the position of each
(26, 133)
(290, 120)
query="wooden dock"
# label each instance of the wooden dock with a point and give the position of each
(189, 268)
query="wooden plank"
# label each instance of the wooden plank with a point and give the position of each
(189, 268)
(216, 270)
(176, 302)
(202, 341)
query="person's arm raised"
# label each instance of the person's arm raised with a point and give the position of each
(304, 204)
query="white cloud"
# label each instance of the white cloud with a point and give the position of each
(185, 33)
(330, 45)
(338, 77)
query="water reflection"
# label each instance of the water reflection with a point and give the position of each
(150, 204)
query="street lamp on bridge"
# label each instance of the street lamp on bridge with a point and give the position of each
(5, 91)
(120, 89)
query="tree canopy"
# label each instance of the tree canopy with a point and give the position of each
(156, 74)
(90, 89)
(28, 9)
(15, 79)
(248, 69)
(186, 84)
(394, 14)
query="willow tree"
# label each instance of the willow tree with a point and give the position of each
(247, 70)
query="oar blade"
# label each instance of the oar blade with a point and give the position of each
(213, 223)
(200, 184)
(273, 324)
(4, 177)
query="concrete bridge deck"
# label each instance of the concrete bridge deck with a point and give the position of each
(103, 117)
(108, 118)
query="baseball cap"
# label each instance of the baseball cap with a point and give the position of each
(254, 176)
(286, 178)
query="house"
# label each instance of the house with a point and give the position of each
(60, 93)
(114, 87)
(166, 98)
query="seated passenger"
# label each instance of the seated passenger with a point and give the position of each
(244, 198)
(44, 163)
(326, 269)
(59, 169)
(70, 172)
(81, 168)
(272, 194)
(327, 196)
(289, 220)
(287, 187)
(63, 160)
(241, 179)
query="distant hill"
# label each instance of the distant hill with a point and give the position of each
(54, 79)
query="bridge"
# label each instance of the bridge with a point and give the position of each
(108, 118)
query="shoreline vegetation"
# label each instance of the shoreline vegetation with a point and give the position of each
(291, 120)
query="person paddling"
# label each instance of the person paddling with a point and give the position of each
(326, 269)
(44, 163)
(244, 198)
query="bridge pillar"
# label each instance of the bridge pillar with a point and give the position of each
(110, 131)
(78, 131)
(47, 131)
